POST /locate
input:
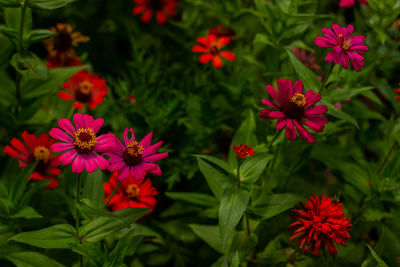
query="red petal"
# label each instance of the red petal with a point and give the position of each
(65, 96)
(217, 62)
(228, 55)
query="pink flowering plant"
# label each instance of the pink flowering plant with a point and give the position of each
(200, 133)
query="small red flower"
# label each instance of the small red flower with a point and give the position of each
(243, 151)
(131, 194)
(318, 223)
(221, 30)
(162, 8)
(350, 3)
(398, 96)
(32, 149)
(84, 88)
(211, 47)
(307, 59)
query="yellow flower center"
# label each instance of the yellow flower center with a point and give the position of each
(41, 153)
(299, 100)
(132, 191)
(84, 140)
(85, 87)
(133, 153)
(344, 44)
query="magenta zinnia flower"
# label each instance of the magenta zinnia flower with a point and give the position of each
(293, 109)
(345, 47)
(82, 143)
(350, 3)
(135, 158)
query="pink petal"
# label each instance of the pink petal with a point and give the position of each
(304, 134)
(156, 157)
(152, 149)
(274, 94)
(78, 164)
(317, 110)
(96, 125)
(281, 124)
(290, 131)
(101, 162)
(79, 121)
(116, 166)
(89, 162)
(59, 147)
(331, 37)
(298, 87)
(123, 174)
(270, 114)
(67, 126)
(67, 157)
(323, 42)
(156, 171)
(107, 142)
(137, 173)
(285, 89)
(311, 98)
(315, 123)
(58, 134)
(126, 132)
(146, 141)
(269, 103)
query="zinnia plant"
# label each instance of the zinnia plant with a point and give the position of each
(161, 8)
(83, 87)
(293, 109)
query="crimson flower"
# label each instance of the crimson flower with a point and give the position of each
(318, 223)
(221, 30)
(32, 149)
(81, 143)
(345, 47)
(293, 109)
(243, 151)
(162, 8)
(398, 96)
(84, 88)
(211, 47)
(307, 59)
(131, 193)
(135, 158)
(350, 3)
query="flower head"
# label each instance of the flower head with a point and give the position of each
(350, 3)
(131, 193)
(221, 30)
(84, 88)
(243, 151)
(211, 47)
(293, 109)
(345, 46)
(307, 59)
(162, 8)
(318, 223)
(81, 143)
(134, 158)
(398, 96)
(61, 47)
(32, 149)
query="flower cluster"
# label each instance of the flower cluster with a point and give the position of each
(243, 151)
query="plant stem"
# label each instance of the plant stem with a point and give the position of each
(113, 193)
(386, 158)
(238, 172)
(78, 193)
(271, 169)
(21, 47)
(326, 77)
(247, 222)
(273, 139)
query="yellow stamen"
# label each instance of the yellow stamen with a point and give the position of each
(85, 87)
(299, 100)
(132, 190)
(134, 149)
(84, 140)
(41, 153)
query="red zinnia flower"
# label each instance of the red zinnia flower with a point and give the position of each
(211, 47)
(345, 47)
(397, 97)
(60, 47)
(243, 151)
(221, 30)
(82, 143)
(350, 3)
(162, 8)
(307, 59)
(84, 88)
(131, 193)
(33, 149)
(319, 223)
(135, 158)
(292, 108)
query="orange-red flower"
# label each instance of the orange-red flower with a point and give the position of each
(32, 149)
(211, 47)
(398, 96)
(318, 223)
(84, 88)
(131, 193)
(162, 8)
(61, 47)
(243, 151)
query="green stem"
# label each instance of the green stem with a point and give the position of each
(273, 139)
(238, 172)
(271, 169)
(386, 158)
(78, 201)
(113, 193)
(246, 214)
(326, 77)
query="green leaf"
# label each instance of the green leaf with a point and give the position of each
(94, 189)
(233, 205)
(253, 167)
(219, 162)
(57, 236)
(193, 198)
(10, 3)
(217, 181)
(209, 234)
(29, 65)
(306, 75)
(263, 39)
(243, 244)
(221, 262)
(235, 260)
(87, 207)
(56, 77)
(272, 205)
(100, 227)
(31, 259)
(334, 111)
(380, 262)
(96, 256)
(27, 213)
(19, 183)
(39, 35)
(11, 34)
(49, 4)
(127, 242)
(344, 93)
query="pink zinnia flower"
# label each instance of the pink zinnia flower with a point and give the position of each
(350, 3)
(293, 109)
(82, 143)
(345, 47)
(135, 158)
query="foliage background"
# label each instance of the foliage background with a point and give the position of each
(196, 109)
